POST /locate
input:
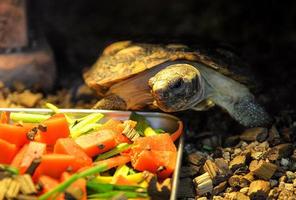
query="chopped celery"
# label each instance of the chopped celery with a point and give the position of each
(118, 149)
(78, 128)
(52, 107)
(28, 117)
(149, 131)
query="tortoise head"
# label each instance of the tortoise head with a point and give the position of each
(177, 87)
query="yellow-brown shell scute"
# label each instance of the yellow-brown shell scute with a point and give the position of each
(124, 59)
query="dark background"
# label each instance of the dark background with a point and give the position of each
(263, 33)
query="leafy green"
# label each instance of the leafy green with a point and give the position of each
(142, 122)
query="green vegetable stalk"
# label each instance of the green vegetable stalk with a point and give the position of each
(63, 186)
(118, 149)
(84, 125)
(28, 117)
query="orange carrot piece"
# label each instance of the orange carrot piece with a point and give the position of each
(13, 134)
(159, 142)
(115, 161)
(56, 127)
(79, 185)
(35, 151)
(117, 127)
(54, 165)
(4, 118)
(68, 146)
(48, 184)
(7, 151)
(162, 163)
(97, 142)
(16, 162)
(178, 132)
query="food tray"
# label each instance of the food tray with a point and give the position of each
(157, 120)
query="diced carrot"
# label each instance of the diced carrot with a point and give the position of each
(48, 184)
(13, 134)
(115, 161)
(68, 146)
(117, 127)
(97, 142)
(7, 151)
(4, 118)
(160, 162)
(114, 125)
(160, 142)
(79, 185)
(29, 126)
(178, 132)
(35, 151)
(16, 162)
(156, 153)
(56, 127)
(54, 165)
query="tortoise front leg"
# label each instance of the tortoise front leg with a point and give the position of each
(111, 102)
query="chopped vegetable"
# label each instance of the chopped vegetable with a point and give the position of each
(48, 184)
(161, 163)
(34, 151)
(114, 161)
(18, 158)
(12, 170)
(7, 151)
(63, 186)
(59, 162)
(118, 149)
(97, 142)
(78, 130)
(28, 117)
(108, 195)
(77, 189)
(160, 142)
(121, 171)
(142, 123)
(149, 131)
(4, 118)
(56, 127)
(13, 134)
(68, 146)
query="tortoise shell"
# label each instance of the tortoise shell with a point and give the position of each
(122, 60)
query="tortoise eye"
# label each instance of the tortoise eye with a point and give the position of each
(176, 84)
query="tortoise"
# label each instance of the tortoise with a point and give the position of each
(173, 77)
